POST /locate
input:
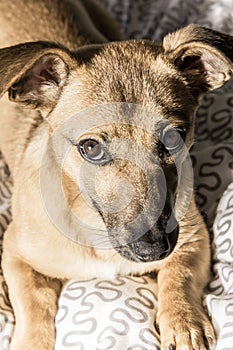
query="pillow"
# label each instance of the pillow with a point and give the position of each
(108, 314)
(220, 298)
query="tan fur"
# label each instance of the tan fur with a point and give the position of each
(139, 73)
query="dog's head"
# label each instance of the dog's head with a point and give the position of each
(125, 116)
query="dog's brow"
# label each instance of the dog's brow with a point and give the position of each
(104, 135)
(70, 139)
(73, 140)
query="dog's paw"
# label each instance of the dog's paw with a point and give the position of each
(186, 331)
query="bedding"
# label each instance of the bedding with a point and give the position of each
(119, 314)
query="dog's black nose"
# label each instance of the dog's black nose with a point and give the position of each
(154, 246)
(148, 248)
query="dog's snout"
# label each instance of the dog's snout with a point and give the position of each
(148, 237)
(148, 240)
(155, 244)
(148, 244)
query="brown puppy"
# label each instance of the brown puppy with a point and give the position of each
(88, 123)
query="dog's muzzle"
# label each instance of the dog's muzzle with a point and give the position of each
(156, 244)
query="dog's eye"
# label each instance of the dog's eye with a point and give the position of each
(172, 139)
(92, 151)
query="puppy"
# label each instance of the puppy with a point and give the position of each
(97, 143)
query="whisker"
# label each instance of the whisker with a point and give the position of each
(74, 199)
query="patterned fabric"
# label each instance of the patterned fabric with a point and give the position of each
(119, 314)
(108, 314)
(212, 154)
(220, 299)
(5, 196)
(153, 19)
(6, 315)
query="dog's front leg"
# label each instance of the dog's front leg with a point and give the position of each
(34, 301)
(181, 318)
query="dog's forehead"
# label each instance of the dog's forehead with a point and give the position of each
(123, 71)
(136, 80)
(135, 72)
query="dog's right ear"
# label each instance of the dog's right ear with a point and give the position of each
(203, 56)
(34, 73)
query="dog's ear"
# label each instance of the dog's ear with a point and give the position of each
(34, 73)
(203, 56)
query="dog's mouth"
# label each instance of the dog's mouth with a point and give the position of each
(154, 245)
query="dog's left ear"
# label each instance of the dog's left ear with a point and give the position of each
(203, 56)
(34, 73)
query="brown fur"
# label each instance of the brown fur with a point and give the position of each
(155, 82)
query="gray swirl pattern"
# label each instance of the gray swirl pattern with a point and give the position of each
(6, 315)
(220, 298)
(101, 314)
(119, 314)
